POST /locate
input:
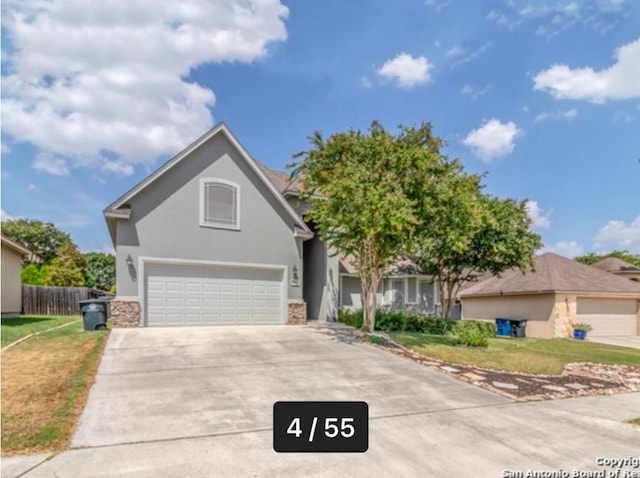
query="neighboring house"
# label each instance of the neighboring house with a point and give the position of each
(215, 237)
(11, 260)
(405, 286)
(558, 293)
(618, 267)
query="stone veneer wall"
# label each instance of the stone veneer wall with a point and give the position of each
(564, 315)
(125, 313)
(297, 313)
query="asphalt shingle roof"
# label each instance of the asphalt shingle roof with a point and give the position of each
(553, 273)
(613, 264)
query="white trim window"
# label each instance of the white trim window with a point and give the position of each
(219, 203)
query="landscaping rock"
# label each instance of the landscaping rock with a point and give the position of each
(507, 386)
(577, 386)
(450, 369)
(554, 388)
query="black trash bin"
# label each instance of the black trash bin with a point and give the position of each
(94, 314)
(518, 328)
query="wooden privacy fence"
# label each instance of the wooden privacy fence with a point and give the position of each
(42, 300)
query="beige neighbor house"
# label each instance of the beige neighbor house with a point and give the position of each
(12, 252)
(618, 267)
(557, 294)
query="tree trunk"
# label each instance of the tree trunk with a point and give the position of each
(369, 300)
(441, 286)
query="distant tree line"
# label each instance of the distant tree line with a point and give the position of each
(58, 261)
(594, 257)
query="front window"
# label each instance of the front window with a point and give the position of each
(219, 204)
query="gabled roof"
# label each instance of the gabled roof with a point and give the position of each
(615, 265)
(116, 210)
(553, 273)
(15, 245)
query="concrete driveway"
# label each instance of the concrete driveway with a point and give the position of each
(198, 402)
(623, 341)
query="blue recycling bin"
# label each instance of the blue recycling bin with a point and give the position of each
(503, 327)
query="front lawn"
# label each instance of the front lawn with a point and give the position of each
(16, 328)
(45, 383)
(535, 356)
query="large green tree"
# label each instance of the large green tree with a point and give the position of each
(66, 269)
(42, 238)
(594, 257)
(100, 270)
(473, 234)
(369, 193)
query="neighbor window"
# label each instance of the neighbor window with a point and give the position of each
(219, 204)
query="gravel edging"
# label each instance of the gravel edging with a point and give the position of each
(577, 379)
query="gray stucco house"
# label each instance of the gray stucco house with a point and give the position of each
(215, 237)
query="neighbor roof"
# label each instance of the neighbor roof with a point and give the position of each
(273, 179)
(553, 273)
(282, 180)
(615, 265)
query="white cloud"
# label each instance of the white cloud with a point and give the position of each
(474, 92)
(558, 17)
(406, 70)
(619, 235)
(539, 219)
(503, 19)
(567, 114)
(437, 4)
(470, 56)
(618, 82)
(4, 216)
(455, 51)
(117, 167)
(48, 163)
(493, 139)
(569, 249)
(83, 77)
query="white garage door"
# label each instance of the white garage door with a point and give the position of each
(209, 295)
(609, 317)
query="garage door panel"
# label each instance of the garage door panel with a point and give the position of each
(608, 317)
(194, 295)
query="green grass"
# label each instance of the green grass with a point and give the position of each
(536, 356)
(45, 383)
(14, 329)
(635, 421)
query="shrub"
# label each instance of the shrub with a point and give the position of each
(351, 317)
(391, 321)
(488, 329)
(376, 339)
(471, 337)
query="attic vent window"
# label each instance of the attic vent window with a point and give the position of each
(219, 204)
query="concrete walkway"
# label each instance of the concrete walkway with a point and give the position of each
(198, 402)
(622, 341)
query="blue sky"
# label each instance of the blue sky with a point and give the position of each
(543, 96)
